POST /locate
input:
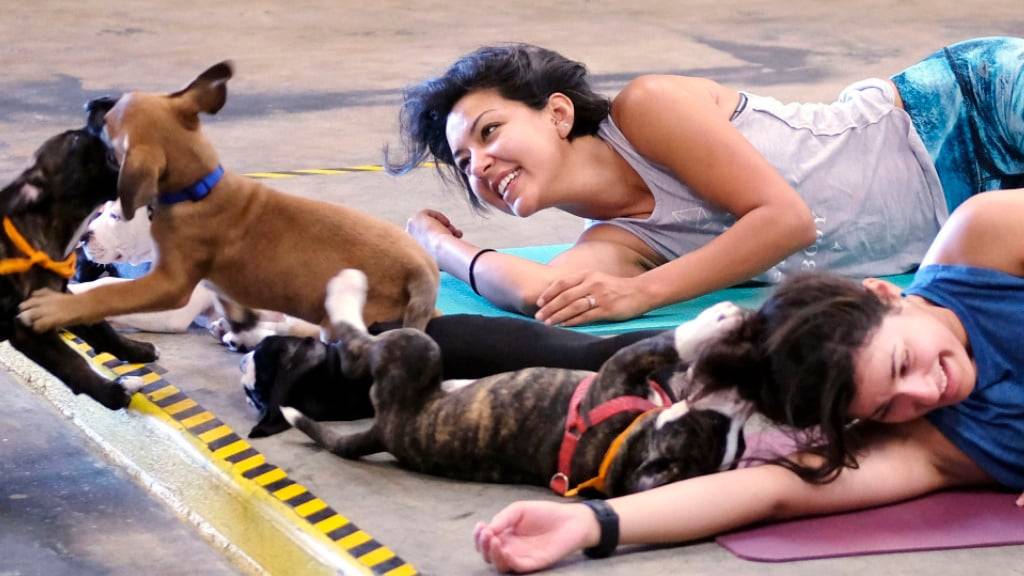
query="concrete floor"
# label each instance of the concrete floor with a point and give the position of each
(316, 86)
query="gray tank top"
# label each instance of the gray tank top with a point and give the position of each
(857, 162)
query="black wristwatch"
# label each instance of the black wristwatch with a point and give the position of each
(608, 520)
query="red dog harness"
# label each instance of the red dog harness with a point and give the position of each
(576, 425)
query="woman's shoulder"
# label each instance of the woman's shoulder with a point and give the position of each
(984, 232)
(661, 90)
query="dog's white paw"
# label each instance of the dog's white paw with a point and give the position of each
(218, 328)
(246, 340)
(710, 323)
(132, 384)
(291, 414)
(346, 296)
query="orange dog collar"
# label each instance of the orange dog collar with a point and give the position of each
(64, 268)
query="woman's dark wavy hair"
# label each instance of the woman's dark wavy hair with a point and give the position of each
(793, 359)
(519, 72)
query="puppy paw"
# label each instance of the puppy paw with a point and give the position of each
(346, 296)
(291, 415)
(139, 352)
(246, 340)
(131, 384)
(218, 328)
(710, 323)
(119, 393)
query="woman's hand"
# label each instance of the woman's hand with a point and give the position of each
(529, 536)
(427, 227)
(1020, 501)
(590, 296)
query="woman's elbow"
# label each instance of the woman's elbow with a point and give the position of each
(798, 222)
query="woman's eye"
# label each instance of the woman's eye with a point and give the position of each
(905, 365)
(487, 131)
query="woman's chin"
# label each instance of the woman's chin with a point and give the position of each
(523, 209)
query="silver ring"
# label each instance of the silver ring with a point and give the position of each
(591, 301)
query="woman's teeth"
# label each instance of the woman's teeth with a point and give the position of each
(503, 185)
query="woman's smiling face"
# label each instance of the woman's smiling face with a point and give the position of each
(912, 364)
(509, 152)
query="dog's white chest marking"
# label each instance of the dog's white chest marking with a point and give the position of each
(449, 386)
(675, 412)
(728, 403)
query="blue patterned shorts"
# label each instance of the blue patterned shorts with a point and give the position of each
(967, 104)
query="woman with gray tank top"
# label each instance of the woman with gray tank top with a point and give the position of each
(689, 186)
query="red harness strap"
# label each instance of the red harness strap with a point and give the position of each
(575, 425)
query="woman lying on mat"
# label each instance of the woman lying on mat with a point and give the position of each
(689, 186)
(864, 363)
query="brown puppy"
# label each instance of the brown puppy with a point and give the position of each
(258, 247)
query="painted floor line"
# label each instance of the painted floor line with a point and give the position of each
(246, 466)
(282, 174)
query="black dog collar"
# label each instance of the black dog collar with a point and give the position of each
(197, 191)
(608, 520)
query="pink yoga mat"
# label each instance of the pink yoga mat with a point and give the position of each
(939, 521)
(955, 519)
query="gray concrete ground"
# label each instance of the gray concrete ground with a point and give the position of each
(67, 510)
(317, 86)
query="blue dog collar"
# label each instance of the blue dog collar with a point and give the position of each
(197, 191)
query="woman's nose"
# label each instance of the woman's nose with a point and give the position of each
(479, 164)
(924, 389)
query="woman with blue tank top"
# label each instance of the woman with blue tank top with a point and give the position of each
(689, 186)
(896, 394)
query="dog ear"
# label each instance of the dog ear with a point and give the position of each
(208, 92)
(18, 197)
(138, 179)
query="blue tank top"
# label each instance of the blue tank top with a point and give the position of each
(988, 425)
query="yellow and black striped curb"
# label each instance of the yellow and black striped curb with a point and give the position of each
(246, 466)
(323, 171)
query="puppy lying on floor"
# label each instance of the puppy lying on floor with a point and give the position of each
(112, 239)
(305, 373)
(546, 426)
(44, 212)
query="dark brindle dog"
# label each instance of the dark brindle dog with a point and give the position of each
(511, 427)
(44, 212)
(305, 373)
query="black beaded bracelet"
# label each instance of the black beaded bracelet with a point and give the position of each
(608, 520)
(472, 264)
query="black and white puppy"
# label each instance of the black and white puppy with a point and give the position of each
(45, 209)
(306, 373)
(509, 427)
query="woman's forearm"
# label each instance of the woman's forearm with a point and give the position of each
(755, 243)
(703, 506)
(508, 281)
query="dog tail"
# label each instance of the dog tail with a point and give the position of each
(420, 309)
(351, 446)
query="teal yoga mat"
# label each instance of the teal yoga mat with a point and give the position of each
(456, 297)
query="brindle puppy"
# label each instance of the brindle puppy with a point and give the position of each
(48, 205)
(305, 373)
(509, 427)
